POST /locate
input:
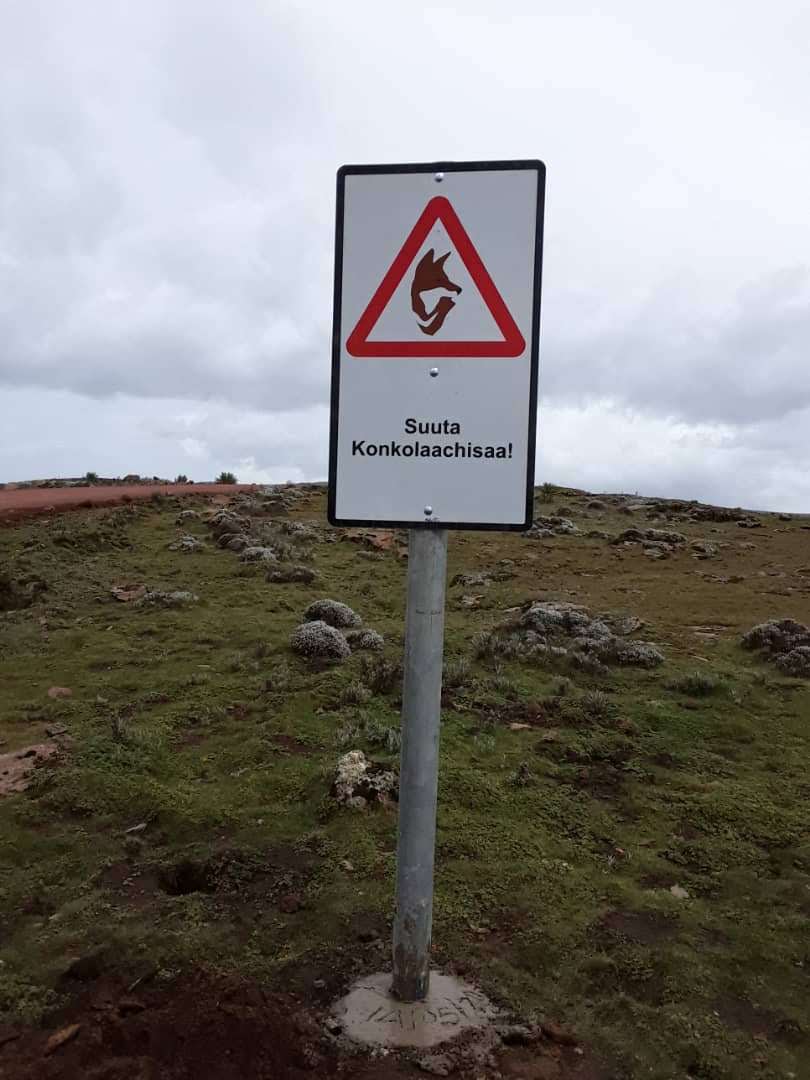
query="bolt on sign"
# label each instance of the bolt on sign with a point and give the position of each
(435, 344)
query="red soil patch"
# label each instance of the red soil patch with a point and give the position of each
(16, 503)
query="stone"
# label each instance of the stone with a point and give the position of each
(679, 892)
(359, 781)
(170, 599)
(287, 575)
(189, 544)
(319, 639)
(258, 553)
(703, 549)
(57, 692)
(796, 662)
(332, 612)
(369, 1013)
(777, 636)
(17, 767)
(127, 593)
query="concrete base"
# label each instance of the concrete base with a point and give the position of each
(370, 1014)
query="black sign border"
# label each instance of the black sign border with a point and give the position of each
(435, 167)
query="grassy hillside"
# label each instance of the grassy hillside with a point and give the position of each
(624, 848)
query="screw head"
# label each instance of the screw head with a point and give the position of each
(428, 511)
(434, 371)
(438, 177)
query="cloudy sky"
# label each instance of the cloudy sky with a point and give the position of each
(166, 226)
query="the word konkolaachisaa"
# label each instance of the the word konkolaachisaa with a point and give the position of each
(363, 448)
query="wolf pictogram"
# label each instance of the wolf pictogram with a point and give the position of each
(430, 274)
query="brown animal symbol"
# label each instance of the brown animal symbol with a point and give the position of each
(430, 274)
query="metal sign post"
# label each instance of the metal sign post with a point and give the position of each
(434, 409)
(419, 764)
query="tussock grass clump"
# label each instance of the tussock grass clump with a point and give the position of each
(380, 674)
(695, 684)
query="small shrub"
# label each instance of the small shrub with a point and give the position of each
(386, 736)
(456, 673)
(596, 705)
(356, 693)
(522, 776)
(278, 678)
(332, 612)
(91, 477)
(318, 639)
(379, 674)
(181, 479)
(227, 478)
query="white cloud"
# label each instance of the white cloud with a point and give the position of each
(166, 225)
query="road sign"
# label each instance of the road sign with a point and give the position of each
(435, 343)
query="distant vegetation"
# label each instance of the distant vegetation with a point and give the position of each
(181, 479)
(227, 478)
(91, 477)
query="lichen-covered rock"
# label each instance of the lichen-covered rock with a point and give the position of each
(555, 615)
(637, 653)
(589, 637)
(538, 533)
(235, 541)
(796, 662)
(225, 521)
(664, 536)
(650, 537)
(777, 636)
(332, 612)
(479, 578)
(703, 549)
(296, 574)
(365, 639)
(187, 543)
(187, 515)
(561, 526)
(319, 639)
(257, 553)
(169, 599)
(359, 781)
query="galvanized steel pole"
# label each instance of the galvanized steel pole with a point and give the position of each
(419, 764)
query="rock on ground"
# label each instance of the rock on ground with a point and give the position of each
(783, 641)
(297, 574)
(551, 526)
(359, 781)
(593, 642)
(169, 599)
(796, 662)
(258, 553)
(17, 768)
(332, 612)
(319, 639)
(189, 544)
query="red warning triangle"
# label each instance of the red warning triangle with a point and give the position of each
(512, 343)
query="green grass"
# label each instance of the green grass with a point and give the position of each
(199, 722)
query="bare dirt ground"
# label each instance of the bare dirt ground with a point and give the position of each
(19, 503)
(221, 1027)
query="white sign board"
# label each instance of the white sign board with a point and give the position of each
(436, 327)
